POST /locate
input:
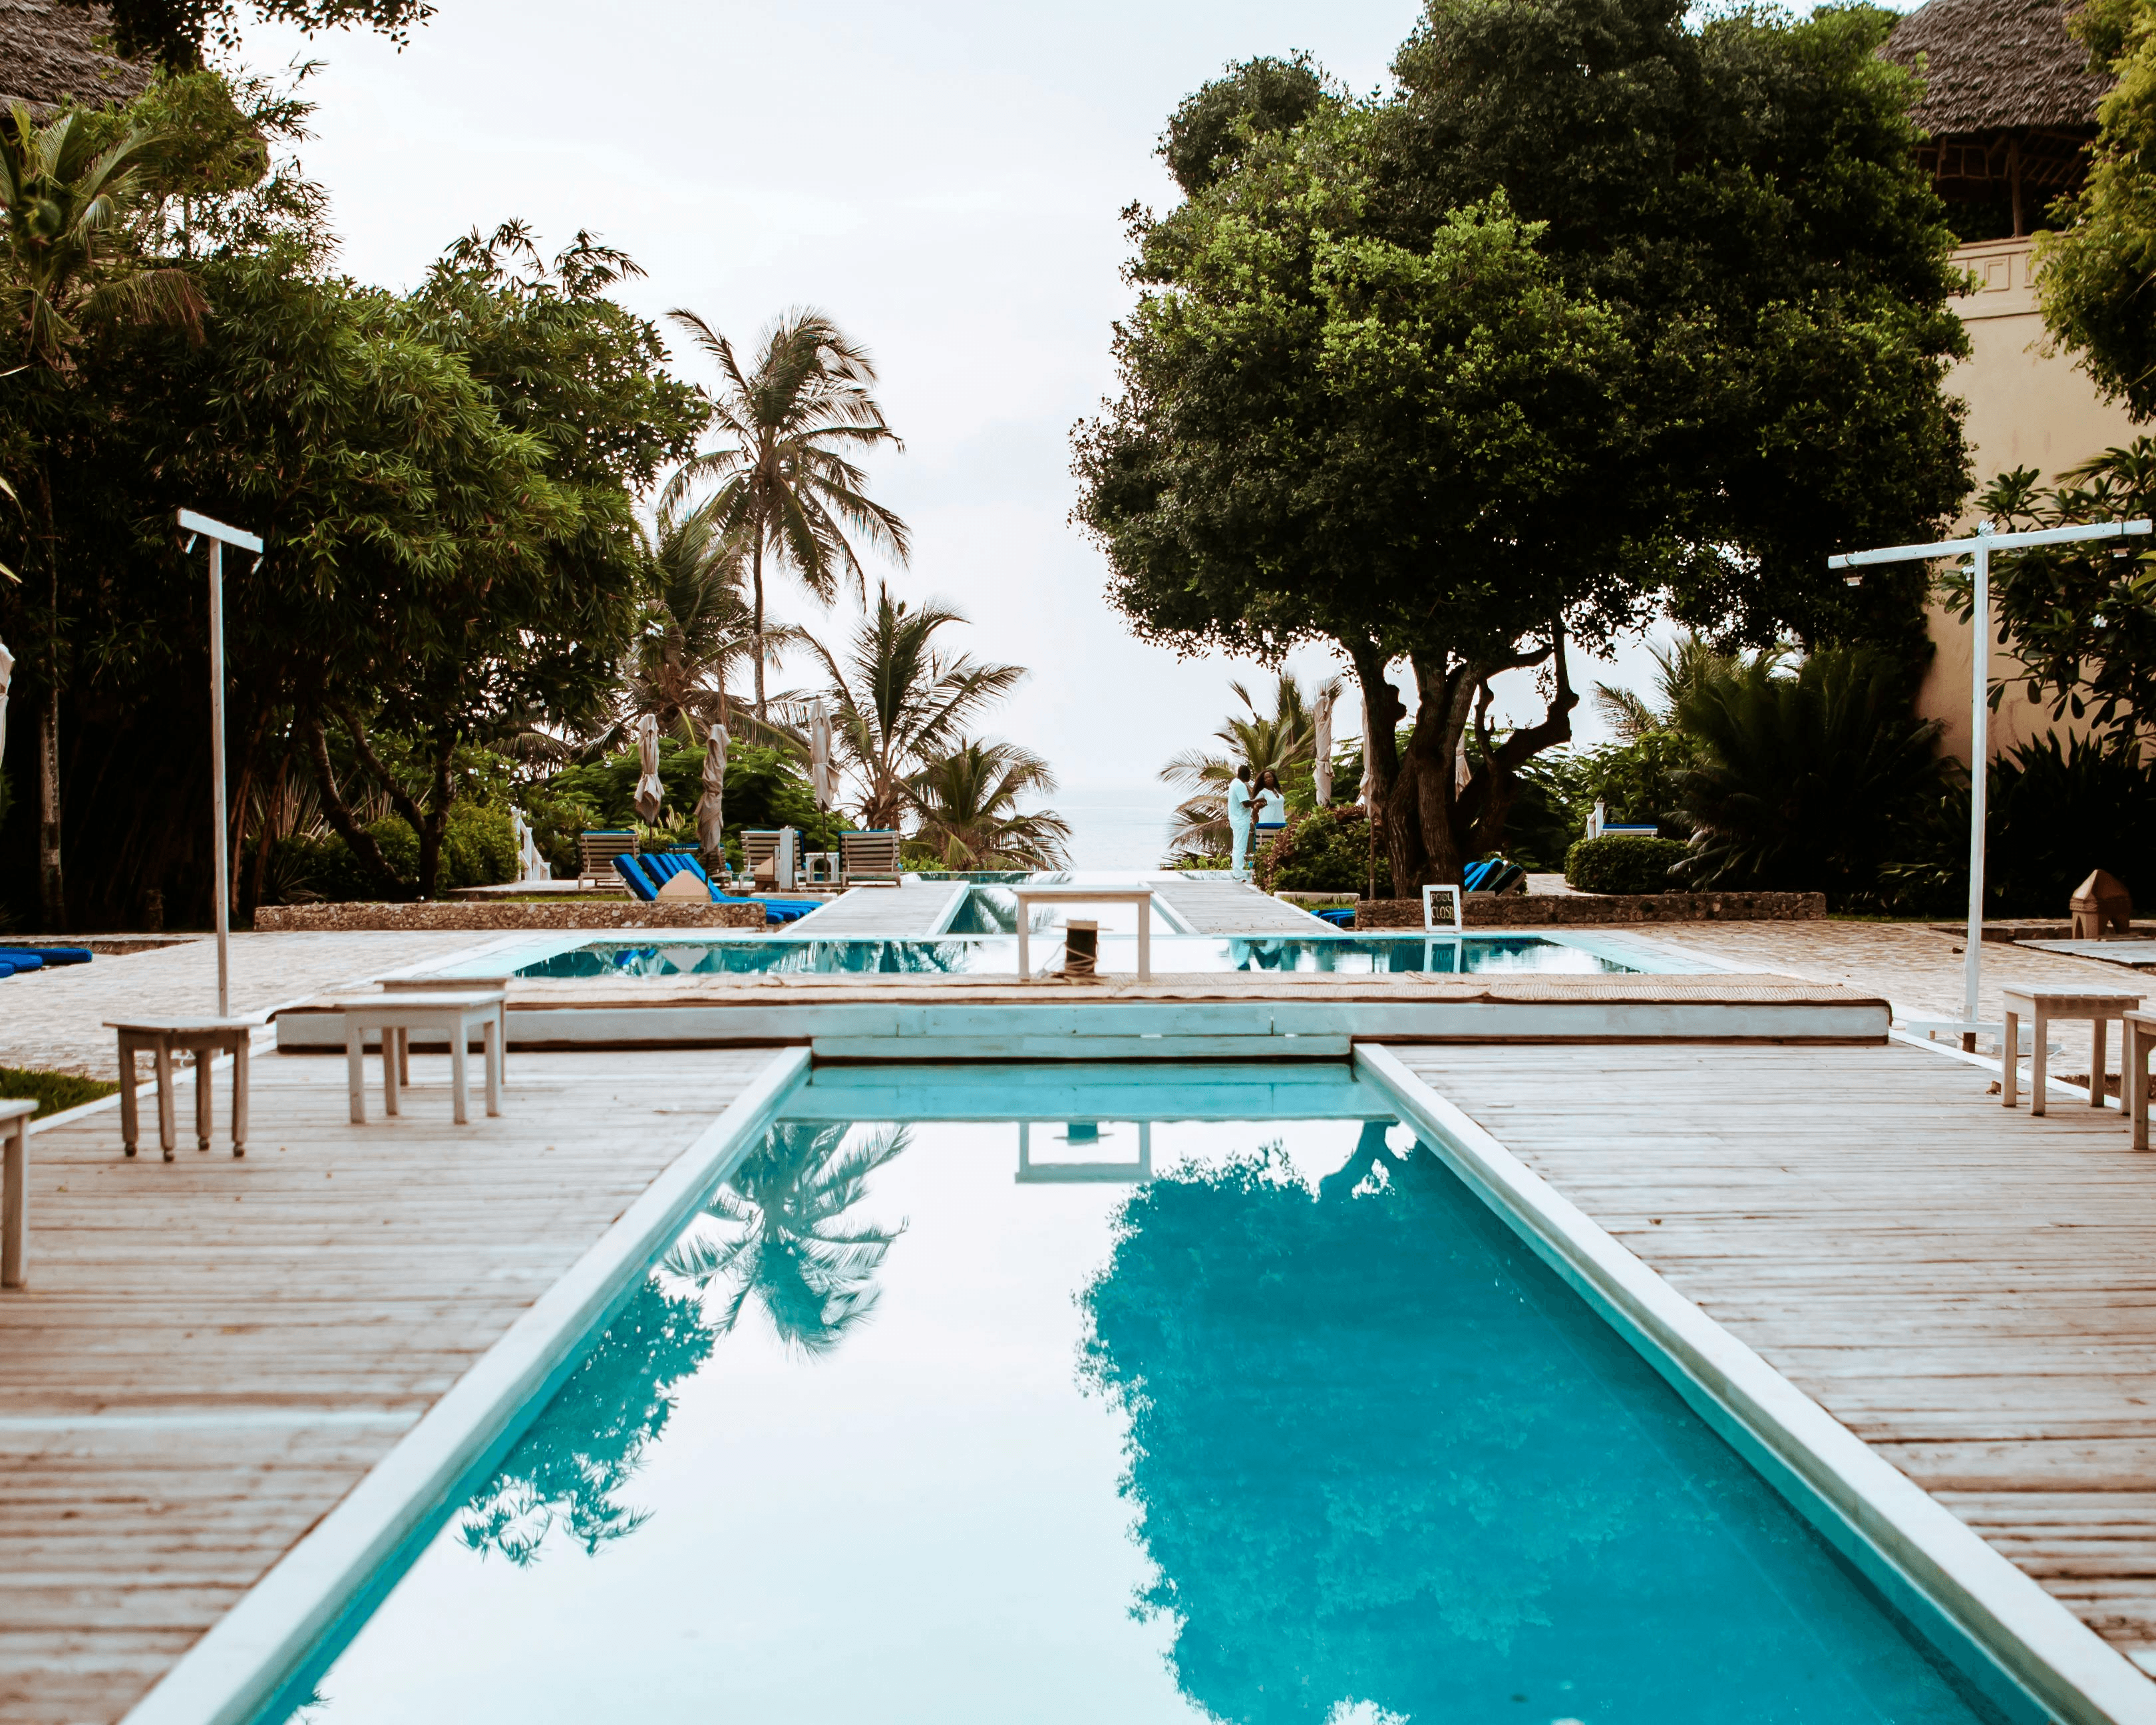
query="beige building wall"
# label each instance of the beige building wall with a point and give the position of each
(2025, 410)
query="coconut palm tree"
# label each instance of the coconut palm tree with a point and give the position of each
(967, 806)
(69, 259)
(1687, 666)
(782, 1235)
(1281, 741)
(786, 482)
(899, 704)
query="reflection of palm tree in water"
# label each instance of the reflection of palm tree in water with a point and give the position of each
(781, 1235)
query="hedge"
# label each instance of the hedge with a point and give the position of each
(1623, 864)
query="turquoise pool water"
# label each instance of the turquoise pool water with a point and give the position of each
(1196, 1394)
(998, 955)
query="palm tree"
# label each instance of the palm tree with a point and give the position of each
(1688, 665)
(785, 481)
(899, 704)
(782, 1235)
(69, 257)
(968, 805)
(1285, 739)
(697, 626)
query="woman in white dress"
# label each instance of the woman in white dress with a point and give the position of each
(1272, 807)
(1239, 820)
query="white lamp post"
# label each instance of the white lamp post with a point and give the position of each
(1980, 547)
(219, 535)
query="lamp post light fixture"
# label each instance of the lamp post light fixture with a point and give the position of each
(219, 535)
(1980, 548)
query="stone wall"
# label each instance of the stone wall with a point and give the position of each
(541, 918)
(1572, 909)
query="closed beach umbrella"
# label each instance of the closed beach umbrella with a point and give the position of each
(1321, 768)
(711, 806)
(650, 794)
(7, 664)
(823, 775)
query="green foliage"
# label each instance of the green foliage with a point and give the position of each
(1209, 131)
(556, 816)
(2081, 619)
(1624, 863)
(176, 31)
(1328, 850)
(568, 1470)
(53, 1091)
(2052, 814)
(764, 788)
(479, 849)
(1803, 777)
(2093, 276)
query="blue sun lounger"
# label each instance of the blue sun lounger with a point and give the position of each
(646, 874)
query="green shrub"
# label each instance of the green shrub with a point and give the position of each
(2051, 813)
(1325, 851)
(764, 788)
(1624, 863)
(479, 849)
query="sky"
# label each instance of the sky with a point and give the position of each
(943, 179)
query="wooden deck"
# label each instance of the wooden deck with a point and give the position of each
(1971, 1292)
(913, 908)
(1231, 908)
(211, 1353)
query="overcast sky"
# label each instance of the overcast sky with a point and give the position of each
(944, 179)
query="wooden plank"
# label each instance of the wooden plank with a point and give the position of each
(310, 1302)
(1972, 1291)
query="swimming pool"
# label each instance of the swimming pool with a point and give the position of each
(1060, 1393)
(955, 955)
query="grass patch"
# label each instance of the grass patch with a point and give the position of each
(53, 1091)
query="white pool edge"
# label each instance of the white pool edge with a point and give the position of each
(2065, 1665)
(237, 1668)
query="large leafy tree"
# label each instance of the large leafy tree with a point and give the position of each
(790, 426)
(2097, 267)
(1600, 310)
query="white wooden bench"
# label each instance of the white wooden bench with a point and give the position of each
(160, 1039)
(2040, 1006)
(14, 1187)
(455, 1014)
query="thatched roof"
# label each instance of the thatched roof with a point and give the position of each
(46, 58)
(1994, 64)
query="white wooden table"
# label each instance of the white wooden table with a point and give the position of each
(1029, 897)
(455, 1014)
(14, 1186)
(160, 1039)
(436, 985)
(2040, 1006)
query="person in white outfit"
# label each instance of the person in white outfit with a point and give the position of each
(1239, 820)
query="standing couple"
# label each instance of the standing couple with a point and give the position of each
(1270, 808)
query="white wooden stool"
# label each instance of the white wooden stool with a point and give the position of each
(2098, 1006)
(160, 1039)
(2133, 1073)
(435, 985)
(395, 1016)
(14, 1187)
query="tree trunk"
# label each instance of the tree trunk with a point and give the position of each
(341, 816)
(1383, 710)
(436, 823)
(1489, 798)
(755, 641)
(52, 897)
(426, 827)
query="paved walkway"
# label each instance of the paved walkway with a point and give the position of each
(56, 1020)
(1914, 966)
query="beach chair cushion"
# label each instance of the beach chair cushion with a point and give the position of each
(1341, 916)
(50, 955)
(22, 961)
(632, 870)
